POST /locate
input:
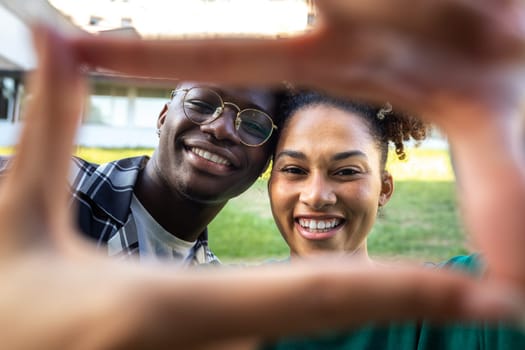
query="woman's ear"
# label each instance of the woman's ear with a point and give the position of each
(387, 188)
(162, 116)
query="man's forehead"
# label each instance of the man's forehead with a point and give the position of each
(255, 94)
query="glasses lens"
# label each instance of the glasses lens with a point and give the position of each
(255, 127)
(200, 104)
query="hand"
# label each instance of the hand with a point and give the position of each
(457, 63)
(81, 297)
(360, 48)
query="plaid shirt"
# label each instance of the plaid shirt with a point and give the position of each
(102, 195)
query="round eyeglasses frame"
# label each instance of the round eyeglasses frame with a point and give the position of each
(220, 109)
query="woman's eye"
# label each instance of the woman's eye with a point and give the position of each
(293, 170)
(347, 172)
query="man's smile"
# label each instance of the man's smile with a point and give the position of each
(212, 157)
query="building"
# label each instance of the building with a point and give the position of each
(122, 112)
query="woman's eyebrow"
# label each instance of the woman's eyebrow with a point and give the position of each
(349, 154)
(336, 157)
(290, 153)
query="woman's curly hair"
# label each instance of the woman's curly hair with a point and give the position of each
(386, 125)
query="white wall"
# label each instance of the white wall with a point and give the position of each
(15, 39)
(93, 136)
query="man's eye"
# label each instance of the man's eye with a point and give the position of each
(254, 129)
(201, 106)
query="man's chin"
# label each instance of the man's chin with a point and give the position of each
(205, 198)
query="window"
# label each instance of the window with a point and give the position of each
(148, 104)
(95, 20)
(126, 22)
(7, 98)
(108, 105)
(125, 106)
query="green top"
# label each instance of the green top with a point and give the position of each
(417, 335)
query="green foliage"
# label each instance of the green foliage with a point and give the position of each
(104, 155)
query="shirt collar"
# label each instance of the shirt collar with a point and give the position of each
(111, 186)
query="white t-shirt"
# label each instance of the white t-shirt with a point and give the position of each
(155, 243)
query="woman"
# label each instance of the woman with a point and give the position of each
(327, 184)
(329, 178)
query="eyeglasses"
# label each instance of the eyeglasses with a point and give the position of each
(202, 106)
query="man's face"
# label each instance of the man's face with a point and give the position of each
(208, 163)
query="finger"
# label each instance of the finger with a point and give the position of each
(35, 190)
(494, 213)
(357, 61)
(230, 61)
(280, 301)
(479, 29)
(311, 60)
(374, 67)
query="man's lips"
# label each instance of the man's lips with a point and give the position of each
(212, 153)
(212, 157)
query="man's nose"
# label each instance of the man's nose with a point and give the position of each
(222, 127)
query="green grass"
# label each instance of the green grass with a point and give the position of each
(419, 223)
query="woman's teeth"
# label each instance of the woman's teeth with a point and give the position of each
(319, 225)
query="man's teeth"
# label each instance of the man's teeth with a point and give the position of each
(319, 225)
(210, 156)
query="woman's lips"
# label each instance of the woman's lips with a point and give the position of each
(318, 228)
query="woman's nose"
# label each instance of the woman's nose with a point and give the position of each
(318, 193)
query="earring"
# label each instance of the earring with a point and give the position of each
(380, 213)
(158, 132)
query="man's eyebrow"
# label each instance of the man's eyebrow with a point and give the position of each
(349, 154)
(253, 105)
(244, 104)
(290, 153)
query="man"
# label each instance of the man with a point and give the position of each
(213, 144)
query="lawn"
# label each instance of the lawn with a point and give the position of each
(420, 222)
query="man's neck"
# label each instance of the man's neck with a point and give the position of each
(176, 213)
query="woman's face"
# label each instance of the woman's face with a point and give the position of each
(327, 182)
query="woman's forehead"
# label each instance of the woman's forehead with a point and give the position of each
(325, 124)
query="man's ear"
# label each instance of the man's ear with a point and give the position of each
(387, 188)
(162, 116)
